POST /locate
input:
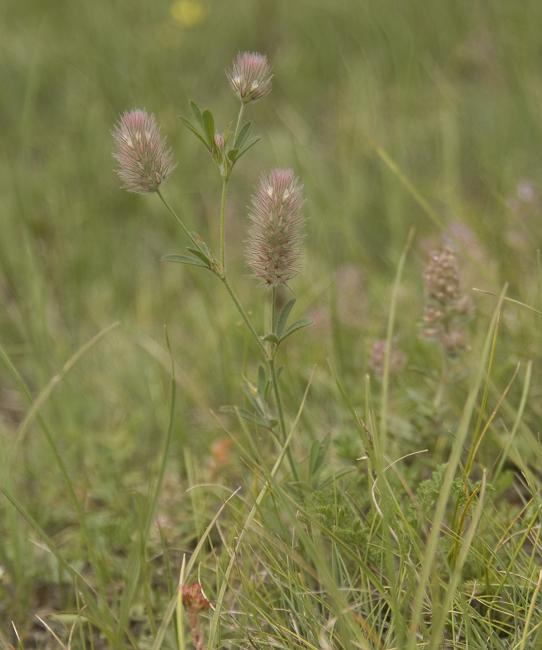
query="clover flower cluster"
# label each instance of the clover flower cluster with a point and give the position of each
(250, 76)
(144, 161)
(143, 156)
(273, 250)
(447, 307)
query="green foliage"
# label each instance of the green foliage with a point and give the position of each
(416, 115)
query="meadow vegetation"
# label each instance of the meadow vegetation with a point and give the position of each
(175, 471)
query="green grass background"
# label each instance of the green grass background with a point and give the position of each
(450, 92)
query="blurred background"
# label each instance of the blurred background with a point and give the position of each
(396, 115)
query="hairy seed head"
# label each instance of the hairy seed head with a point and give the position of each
(250, 76)
(143, 157)
(276, 228)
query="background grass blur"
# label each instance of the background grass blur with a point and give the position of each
(449, 91)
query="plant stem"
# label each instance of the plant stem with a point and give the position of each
(443, 380)
(273, 307)
(244, 316)
(270, 361)
(222, 277)
(239, 118)
(280, 409)
(223, 199)
(179, 221)
(268, 356)
(155, 495)
(276, 386)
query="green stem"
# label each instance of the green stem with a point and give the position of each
(222, 277)
(155, 495)
(244, 316)
(269, 359)
(282, 422)
(276, 385)
(273, 307)
(442, 382)
(180, 221)
(223, 199)
(237, 126)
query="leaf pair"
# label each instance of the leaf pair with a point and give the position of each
(257, 398)
(242, 143)
(200, 258)
(204, 130)
(282, 330)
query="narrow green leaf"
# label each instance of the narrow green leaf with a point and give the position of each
(196, 111)
(299, 324)
(242, 135)
(283, 316)
(262, 380)
(233, 154)
(248, 416)
(195, 131)
(209, 126)
(318, 453)
(251, 393)
(185, 259)
(131, 581)
(203, 247)
(202, 256)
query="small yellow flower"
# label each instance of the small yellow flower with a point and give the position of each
(188, 13)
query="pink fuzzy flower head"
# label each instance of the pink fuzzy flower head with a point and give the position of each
(143, 157)
(276, 228)
(219, 141)
(250, 76)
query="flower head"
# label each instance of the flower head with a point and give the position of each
(250, 76)
(194, 598)
(442, 276)
(219, 141)
(446, 309)
(143, 157)
(276, 224)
